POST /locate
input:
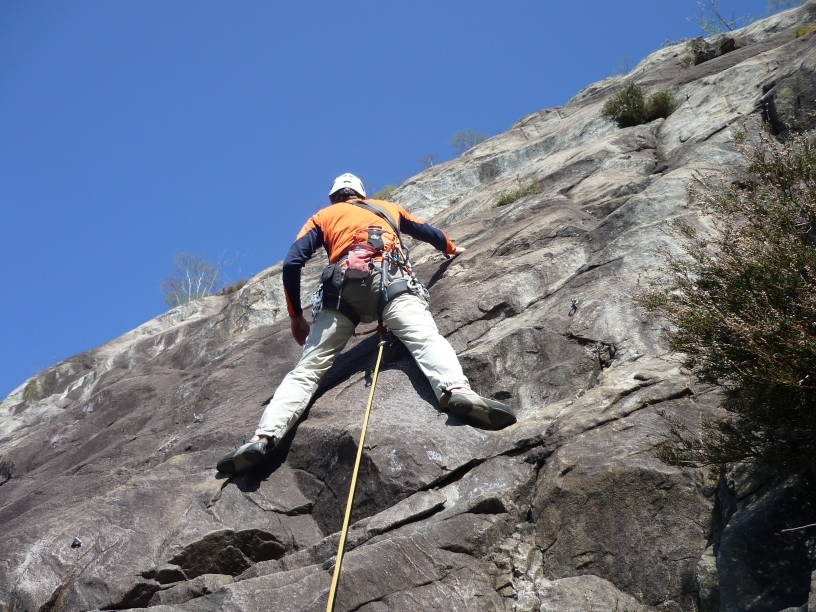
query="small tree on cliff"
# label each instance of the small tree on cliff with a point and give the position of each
(192, 277)
(741, 302)
(465, 140)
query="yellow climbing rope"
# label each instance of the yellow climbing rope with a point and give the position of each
(342, 544)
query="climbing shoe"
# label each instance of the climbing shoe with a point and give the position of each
(245, 456)
(486, 411)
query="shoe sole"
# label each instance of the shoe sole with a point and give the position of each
(488, 412)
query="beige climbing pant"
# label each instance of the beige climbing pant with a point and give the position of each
(407, 316)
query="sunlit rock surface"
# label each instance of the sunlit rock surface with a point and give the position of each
(108, 494)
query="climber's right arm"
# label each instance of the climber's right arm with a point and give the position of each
(417, 228)
(308, 241)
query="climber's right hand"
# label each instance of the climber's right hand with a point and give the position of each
(300, 329)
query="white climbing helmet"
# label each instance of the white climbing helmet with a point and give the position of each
(348, 181)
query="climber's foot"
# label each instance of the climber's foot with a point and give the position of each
(486, 411)
(245, 456)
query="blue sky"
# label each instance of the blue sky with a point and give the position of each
(134, 130)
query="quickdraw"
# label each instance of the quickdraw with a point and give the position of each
(398, 258)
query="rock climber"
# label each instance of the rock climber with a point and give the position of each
(369, 277)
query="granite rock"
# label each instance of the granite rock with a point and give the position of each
(108, 494)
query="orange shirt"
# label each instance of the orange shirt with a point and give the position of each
(338, 223)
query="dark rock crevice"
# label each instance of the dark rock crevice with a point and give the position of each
(604, 352)
(226, 552)
(702, 50)
(137, 597)
(6, 470)
(57, 599)
(751, 563)
(790, 103)
(381, 599)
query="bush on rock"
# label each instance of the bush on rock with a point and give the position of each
(741, 301)
(629, 106)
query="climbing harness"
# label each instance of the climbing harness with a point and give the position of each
(342, 544)
(372, 247)
(393, 256)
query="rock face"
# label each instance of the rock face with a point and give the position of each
(108, 494)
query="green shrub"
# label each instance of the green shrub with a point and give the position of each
(385, 192)
(741, 303)
(629, 106)
(802, 30)
(660, 105)
(236, 286)
(522, 191)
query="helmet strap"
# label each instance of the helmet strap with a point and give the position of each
(343, 195)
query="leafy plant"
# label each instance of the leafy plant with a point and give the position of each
(629, 106)
(236, 286)
(429, 160)
(741, 304)
(522, 191)
(711, 20)
(802, 30)
(465, 140)
(385, 192)
(660, 105)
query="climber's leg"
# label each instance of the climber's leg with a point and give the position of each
(408, 317)
(327, 338)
